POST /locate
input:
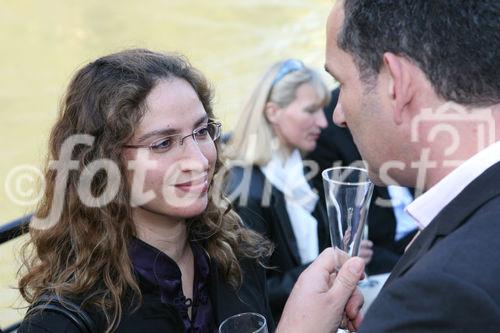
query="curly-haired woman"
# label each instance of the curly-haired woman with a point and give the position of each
(138, 243)
(128, 237)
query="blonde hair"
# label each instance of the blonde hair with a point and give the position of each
(253, 140)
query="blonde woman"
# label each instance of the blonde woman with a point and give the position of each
(269, 187)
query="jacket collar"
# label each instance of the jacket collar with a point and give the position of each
(285, 225)
(279, 212)
(455, 214)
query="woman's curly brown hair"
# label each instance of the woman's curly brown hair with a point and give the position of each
(85, 249)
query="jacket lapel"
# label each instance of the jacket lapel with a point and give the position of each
(419, 246)
(456, 213)
(323, 230)
(285, 225)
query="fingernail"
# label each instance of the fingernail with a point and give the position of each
(356, 267)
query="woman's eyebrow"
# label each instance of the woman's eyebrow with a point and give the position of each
(201, 120)
(170, 131)
(160, 131)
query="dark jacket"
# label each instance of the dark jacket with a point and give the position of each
(263, 208)
(448, 280)
(155, 316)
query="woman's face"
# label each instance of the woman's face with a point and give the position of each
(299, 124)
(174, 182)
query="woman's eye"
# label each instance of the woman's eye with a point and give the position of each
(202, 132)
(162, 144)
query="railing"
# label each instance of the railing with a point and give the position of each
(14, 229)
(8, 232)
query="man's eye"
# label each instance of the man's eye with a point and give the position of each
(162, 145)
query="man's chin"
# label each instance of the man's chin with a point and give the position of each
(375, 178)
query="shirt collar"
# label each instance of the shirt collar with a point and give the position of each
(161, 270)
(426, 207)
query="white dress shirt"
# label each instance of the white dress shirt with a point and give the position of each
(426, 207)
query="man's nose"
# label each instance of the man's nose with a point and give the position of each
(338, 116)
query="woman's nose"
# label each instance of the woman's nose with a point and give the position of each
(193, 157)
(321, 120)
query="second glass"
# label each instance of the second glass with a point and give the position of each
(248, 322)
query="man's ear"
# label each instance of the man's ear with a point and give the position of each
(272, 112)
(400, 91)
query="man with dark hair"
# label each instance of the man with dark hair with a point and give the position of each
(390, 228)
(420, 93)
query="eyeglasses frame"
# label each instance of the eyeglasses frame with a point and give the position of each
(217, 124)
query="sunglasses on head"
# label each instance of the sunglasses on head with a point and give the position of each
(287, 67)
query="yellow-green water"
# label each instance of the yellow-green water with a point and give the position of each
(43, 42)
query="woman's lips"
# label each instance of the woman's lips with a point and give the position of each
(314, 136)
(196, 185)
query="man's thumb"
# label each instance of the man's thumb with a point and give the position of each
(347, 279)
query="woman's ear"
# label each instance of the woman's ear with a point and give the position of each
(272, 112)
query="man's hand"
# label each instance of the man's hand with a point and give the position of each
(366, 250)
(321, 297)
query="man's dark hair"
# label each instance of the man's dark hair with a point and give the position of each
(456, 43)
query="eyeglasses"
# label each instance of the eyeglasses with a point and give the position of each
(288, 66)
(201, 135)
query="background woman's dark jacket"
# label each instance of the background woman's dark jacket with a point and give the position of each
(263, 208)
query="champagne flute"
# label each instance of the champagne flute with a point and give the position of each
(348, 191)
(248, 322)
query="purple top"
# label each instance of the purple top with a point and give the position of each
(159, 269)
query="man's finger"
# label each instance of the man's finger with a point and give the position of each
(326, 260)
(353, 325)
(354, 304)
(347, 280)
(365, 243)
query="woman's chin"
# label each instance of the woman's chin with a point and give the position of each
(308, 147)
(193, 209)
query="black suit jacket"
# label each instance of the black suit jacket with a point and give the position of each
(449, 279)
(336, 146)
(262, 207)
(156, 316)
